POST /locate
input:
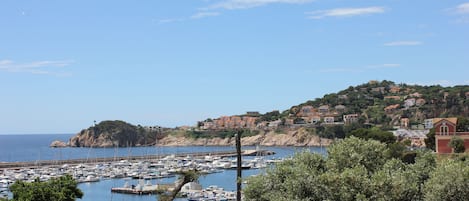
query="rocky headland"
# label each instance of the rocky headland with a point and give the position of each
(121, 134)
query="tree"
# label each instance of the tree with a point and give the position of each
(375, 134)
(58, 189)
(463, 124)
(355, 169)
(430, 141)
(457, 144)
(449, 181)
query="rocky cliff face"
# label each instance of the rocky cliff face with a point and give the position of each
(88, 138)
(293, 138)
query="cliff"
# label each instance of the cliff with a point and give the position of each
(298, 137)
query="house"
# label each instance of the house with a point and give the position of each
(323, 109)
(445, 130)
(428, 123)
(306, 111)
(329, 120)
(350, 118)
(409, 102)
(405, 122)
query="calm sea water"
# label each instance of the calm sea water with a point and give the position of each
(36, 147)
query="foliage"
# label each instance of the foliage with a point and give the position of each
(353, 152)
(463, 124)
(57, 189)
(430, 140)
(358, 169)
(330, 132)
(270, 116)
(457, 144)
(125, 134)
(449, 181)
(375, 134)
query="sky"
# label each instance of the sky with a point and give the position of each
(65, 64)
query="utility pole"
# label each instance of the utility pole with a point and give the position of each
(238, 168)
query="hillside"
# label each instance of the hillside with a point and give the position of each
(382, 104)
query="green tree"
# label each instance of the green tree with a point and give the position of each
(463, 124)
(449, 181)
(375, 134)
(57, 189)
(347, 173)
(430, 141)
(353, 151)
(457, 144)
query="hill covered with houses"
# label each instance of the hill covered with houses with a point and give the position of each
(377, 106)
(383, 104)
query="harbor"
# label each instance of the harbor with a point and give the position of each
(98, 178)
(145, 170)
(13, 165)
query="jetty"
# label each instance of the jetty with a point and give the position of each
(222, 154)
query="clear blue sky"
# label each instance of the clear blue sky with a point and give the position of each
(64, 64)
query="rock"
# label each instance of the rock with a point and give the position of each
(58, 144)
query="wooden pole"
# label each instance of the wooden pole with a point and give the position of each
(238, 168)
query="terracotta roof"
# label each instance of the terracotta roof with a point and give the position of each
(453, 120)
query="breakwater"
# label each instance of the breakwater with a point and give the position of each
(12, 165)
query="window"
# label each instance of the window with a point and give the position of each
(444, 129)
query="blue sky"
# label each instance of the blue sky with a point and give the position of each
(64, 64)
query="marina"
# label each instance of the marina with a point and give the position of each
(98, 178)
(4, 165)
(140, 169)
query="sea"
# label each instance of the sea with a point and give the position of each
(15, 148)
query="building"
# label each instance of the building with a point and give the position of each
(428, 123)
(409, 102)
(445, 130)
(329, 120)
(405, 122)
(323, 109)
(350, 118)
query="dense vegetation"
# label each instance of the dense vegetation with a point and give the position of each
(127, 134)
(57, 189)
(357, 169)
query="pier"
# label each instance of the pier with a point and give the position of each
(13, 165)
